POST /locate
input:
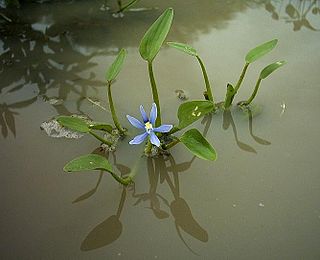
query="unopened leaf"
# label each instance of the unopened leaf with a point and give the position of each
(183, 47)
(155, 36)
(198, 145)
(260, 51)
(271, 68)
(116, 66)
(88, 162)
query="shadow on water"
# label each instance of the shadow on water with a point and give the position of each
(228, 120)
(106, 232)
(301, 13)
(51, 46)
(164, 170)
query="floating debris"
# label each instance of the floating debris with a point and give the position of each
(181, 94)
(113, 138)
(283, 108)
(54, 129)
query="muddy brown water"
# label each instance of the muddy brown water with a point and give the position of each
(259, 200)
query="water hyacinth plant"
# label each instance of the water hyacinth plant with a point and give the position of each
(160, 138)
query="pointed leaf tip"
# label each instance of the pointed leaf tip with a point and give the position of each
(260, 50)
(155, 36)
(183, 47)
(88, 162)
(271, 68)
(198, 145)
(116, 66)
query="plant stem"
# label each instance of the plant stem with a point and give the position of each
(113, 111)
(244, 70)
(124, 181)
(230, 96)
(206, 81)
(100, 138)
(171, 144)
(154, 93)
(254, 93)
(127, 6)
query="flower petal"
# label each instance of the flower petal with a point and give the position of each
(154, 139)
(135, 122)
(139, 138)
(163, 128)
(144, 114)
(153, 114)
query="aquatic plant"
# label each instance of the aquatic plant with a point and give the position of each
(253, 55)
(160, 138)
(147, 125)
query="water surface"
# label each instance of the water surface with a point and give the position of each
(258, 200)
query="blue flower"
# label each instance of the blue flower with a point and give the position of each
(148, 126)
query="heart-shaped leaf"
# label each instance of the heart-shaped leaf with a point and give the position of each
(74, 123)
(271, 68)
(192, 111)
(155, 36)
(183, 47)
(198, 145)
(260, 51)
(116, 66)
(88, 162)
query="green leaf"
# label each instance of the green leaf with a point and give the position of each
(271, 68)
(116, 66)
(198, 145)
(88, 162)
(190, 112)
(183, 47)
(260, 51)
(74, 123)
(155, 36)
(100, 126)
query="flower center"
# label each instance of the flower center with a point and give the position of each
(148, 126)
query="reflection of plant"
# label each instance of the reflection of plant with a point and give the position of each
(7, 120)
(295, 12)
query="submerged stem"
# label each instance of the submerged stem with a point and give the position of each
(206, 81)
(254, 93)
(154, 93)
(100, 138)
(113, 111)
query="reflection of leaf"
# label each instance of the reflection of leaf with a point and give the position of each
(291, 11)
(4, 129)
(10, 121)
(23, 104)
(246, 147)
(184, 219)
(85, 196)
(102, 235)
